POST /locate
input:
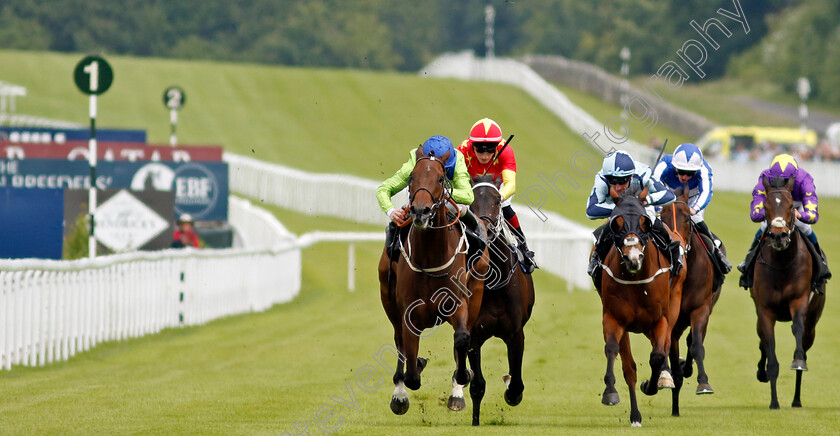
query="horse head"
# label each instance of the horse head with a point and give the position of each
(677, 215)
(427, 188)
(779, 211)
(488, 202)
(630, 226)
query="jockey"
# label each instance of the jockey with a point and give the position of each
(621, 173)
(456, 171)
(805, 201)
(485, 152)
(687, 166)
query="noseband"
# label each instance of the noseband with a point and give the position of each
(779, 222)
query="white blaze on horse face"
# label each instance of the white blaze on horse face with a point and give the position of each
(778, 201)
(399, 391)
(778, 223)
(634, 255)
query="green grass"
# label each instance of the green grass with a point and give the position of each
(261, 373)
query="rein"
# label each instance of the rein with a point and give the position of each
(687, 239)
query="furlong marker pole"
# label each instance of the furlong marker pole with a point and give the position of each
(173, 120)
(92, 190)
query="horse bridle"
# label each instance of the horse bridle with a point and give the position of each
(444, 193)
(779, 222)
(494, 225)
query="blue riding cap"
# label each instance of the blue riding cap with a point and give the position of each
(618, 164)
(440, 145)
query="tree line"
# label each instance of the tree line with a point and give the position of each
(787, 38)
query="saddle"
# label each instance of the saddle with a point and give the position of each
(718, 276)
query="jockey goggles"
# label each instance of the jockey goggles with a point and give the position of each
(686, 173)
(613, 180)
(485, 147)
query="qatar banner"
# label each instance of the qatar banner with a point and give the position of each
(111, 151)
(201, 188)
(40, 135)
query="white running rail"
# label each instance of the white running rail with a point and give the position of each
(50, 310)
(561, 246)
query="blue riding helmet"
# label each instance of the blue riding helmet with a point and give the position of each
(618, 164)
(440, 145)
(687, 157)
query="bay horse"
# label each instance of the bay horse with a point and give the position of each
(700, 292)
(507, 301)
(429, 283)
(782, 288)
(639, 296)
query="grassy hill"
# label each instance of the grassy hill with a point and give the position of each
(260, 374)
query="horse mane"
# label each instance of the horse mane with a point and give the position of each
(681, 190)
(778, 182)
(486, 178)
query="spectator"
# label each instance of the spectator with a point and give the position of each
(185, 235)
(740, 153)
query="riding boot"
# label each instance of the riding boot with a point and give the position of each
(667, 245)
(526, 256)
(391, 236)
(745, 267)
(821, 273)
(474, 225)
(721, 259)
(602, 245)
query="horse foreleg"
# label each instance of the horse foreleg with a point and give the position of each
(674, 356)
(478, 383)
(399, 400)
(515, 385)
(686, 365)
(461, 341)
(699, 323)
(411, 343)
(766, 325)
(798, 329)
(612, 334)
(628, 366)
(660, 339)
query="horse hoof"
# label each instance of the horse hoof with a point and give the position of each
(421, 363)
(512, 400)
(610, 399)
(796, 403)
(774, 406)
(399, 407)
(666, 381)
(704, 388)
(635, 424)
(506, 379)
(456, 404)
(799, 365)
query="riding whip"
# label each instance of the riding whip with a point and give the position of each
(496, 155)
